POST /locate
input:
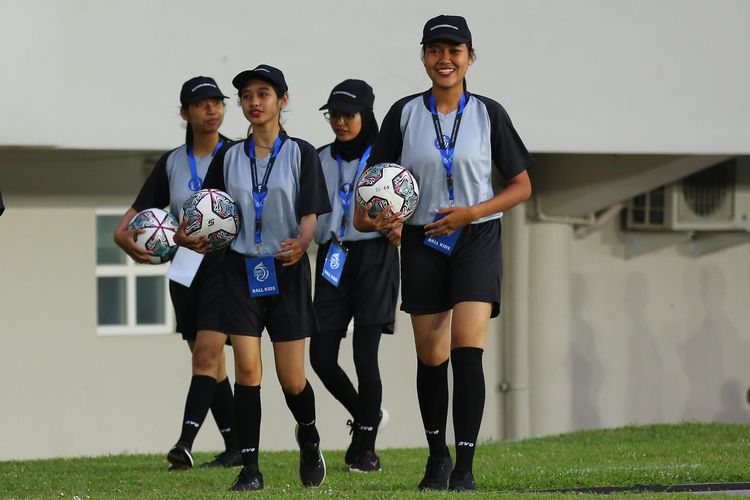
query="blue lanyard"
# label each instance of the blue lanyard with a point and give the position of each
(346, 189)
(260, 190)
(447, 148)
(196, 182)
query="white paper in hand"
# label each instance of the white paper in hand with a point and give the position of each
(184, 266)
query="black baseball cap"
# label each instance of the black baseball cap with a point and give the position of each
(199, 88)
(350, 96)
(452, 28)
(263, 72)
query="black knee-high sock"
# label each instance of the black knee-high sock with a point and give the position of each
(222, 408)
(432, 391)
(366, 344)
(247, 411)
(324, 354)
(302, 406)
(468, 402)
(197, 402)
(370, 395)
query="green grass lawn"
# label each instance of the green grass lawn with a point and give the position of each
(657, 454)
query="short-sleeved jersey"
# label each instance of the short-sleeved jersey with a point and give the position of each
(169, 181)
(296, 188)
(486, 137)
(331, 222)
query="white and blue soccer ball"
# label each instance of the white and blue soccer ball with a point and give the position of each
(386, 184)
(159, 228)
(212, 213)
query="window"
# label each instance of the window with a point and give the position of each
(131, 298)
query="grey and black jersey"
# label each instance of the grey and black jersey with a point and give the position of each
(331, 222)
(169, 181)
(296, 188)
(486, 137)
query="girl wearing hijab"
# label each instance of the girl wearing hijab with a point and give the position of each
(357, 275)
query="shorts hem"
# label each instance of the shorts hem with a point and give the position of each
(424, 310)
(440, 309)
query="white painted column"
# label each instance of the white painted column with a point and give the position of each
(550, 336)
(515, 324)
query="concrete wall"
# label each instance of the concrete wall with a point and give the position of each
(661, 337)
(576, 76)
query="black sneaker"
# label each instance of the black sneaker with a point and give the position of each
(312, 466)
(248, 480)
(353, 451)
(436, 473)
(368, 461)
(227, 458)
(461, 481)
(180, 457)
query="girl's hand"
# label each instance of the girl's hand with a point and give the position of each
(198, 244)
(387, 220)
(455, 218)
(125, 239)
(394, 235)
(291, 251)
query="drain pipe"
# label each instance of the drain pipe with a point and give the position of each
(600, 221)
(514, 385)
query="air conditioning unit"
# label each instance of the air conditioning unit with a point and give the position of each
(714, 199)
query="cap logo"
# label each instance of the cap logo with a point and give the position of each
(444, 26)
(202, 85)
(261, 69)
(348, 94)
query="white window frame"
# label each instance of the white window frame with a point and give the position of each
(131, 270)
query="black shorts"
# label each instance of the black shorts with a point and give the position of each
(287, 316)
(199, 307)
(367, 291)
(434, 282)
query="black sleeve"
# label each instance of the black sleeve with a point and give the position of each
(2, 207)
(508, 151)
(388, 145)
(313, 193)
(155, 191)
(215, 173)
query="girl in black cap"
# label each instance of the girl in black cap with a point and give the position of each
(279, 187)
(176, 175)
(450, 254)
(353, 267)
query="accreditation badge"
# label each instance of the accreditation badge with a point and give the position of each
(334, 263)
(443, 244)
(261, 276)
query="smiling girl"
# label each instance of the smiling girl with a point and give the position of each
(451, 264)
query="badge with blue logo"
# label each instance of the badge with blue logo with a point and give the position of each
(335, 260)
(195, 184)
(443, 244)
(261, 276)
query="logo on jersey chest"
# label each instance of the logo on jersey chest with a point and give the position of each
(444, 145)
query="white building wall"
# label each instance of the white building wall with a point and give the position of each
(661, 337)
(575, 76)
